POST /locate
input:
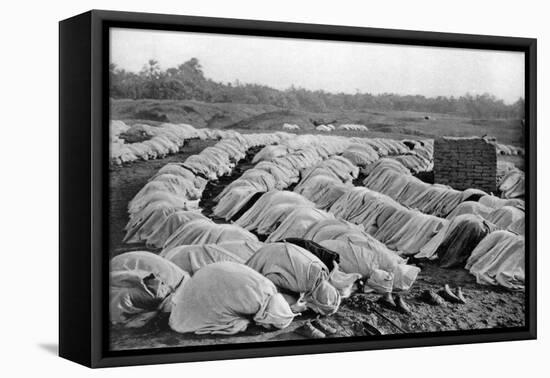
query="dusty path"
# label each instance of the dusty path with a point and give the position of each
(214, 188)
(487, 307)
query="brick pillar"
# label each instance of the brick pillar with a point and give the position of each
(464, 163)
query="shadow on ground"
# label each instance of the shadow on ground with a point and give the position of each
(52, 348)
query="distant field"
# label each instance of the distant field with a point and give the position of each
(247, 118)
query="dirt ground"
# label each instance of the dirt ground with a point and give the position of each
(268, 118)
(486, 307)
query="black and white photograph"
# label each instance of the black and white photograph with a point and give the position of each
(273, 189)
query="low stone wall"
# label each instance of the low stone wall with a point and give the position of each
(465, 163)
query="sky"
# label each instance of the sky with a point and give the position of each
(347, 67)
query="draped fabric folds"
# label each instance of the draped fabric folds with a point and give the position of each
(499, 259)
(297, 270)
(141, 284)
(224, 298)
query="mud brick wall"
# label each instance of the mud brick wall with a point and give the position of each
(465, 163)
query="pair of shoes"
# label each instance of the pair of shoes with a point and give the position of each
(402, 306)
(448, 294)
(326, 328)
(396, 304)
(432, 298)
(387, 301)
(309, 331)
(460, 295)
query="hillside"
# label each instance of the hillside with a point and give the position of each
(251, 117)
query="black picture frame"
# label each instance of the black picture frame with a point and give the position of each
(83, 152)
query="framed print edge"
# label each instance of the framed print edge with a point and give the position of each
(531, 184)
(84, 99)
(75, 268)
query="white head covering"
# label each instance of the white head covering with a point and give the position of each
(276, 312)
(380, 281)
(404, 276)
(324, 299)
(343, 282)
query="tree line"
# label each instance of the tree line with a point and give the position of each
(188, 82)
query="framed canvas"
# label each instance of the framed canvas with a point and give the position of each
(234, 188)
